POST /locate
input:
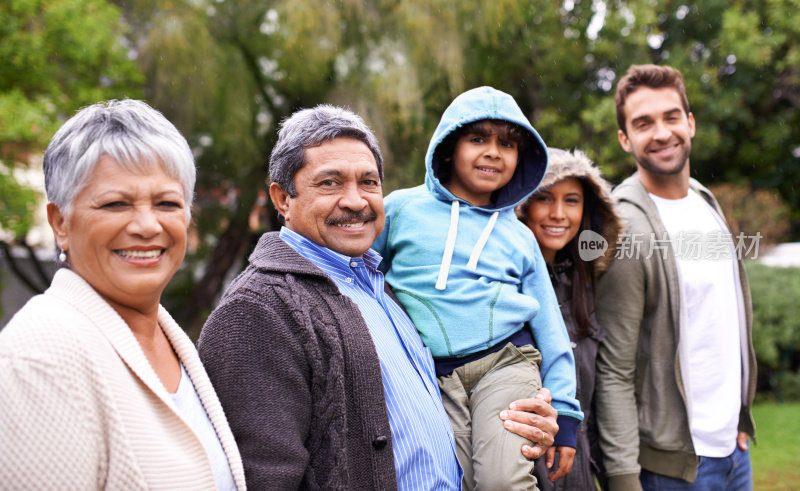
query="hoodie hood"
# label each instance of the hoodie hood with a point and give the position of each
(488, 103)
(563, 165)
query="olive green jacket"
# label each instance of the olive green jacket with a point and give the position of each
(641, 401)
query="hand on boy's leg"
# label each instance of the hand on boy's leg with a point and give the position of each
(534, 419)
(566, 456)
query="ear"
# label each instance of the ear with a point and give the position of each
(623, 141)
(280, 199)
(690, 118)
(58, 223)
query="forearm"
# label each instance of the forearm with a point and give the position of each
(558, 362)
(619, 311)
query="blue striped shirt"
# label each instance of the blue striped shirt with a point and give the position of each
(423, 444)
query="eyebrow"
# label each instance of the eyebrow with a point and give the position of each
(327, 173)
(370, 173)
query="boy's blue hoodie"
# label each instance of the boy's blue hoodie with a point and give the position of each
(472, 276)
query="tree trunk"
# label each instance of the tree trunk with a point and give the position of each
(232, 245)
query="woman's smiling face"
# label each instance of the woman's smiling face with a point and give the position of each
(126, 233)
(554, 215)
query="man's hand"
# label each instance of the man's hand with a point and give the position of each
(534, 419)
(741, 440)
(565, 459)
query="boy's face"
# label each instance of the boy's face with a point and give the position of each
(482, 164)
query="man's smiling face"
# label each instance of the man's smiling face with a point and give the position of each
(339, 201)
(658, 131)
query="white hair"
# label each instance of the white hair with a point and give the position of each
(131, 132)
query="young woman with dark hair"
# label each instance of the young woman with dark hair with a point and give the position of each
(574, 198)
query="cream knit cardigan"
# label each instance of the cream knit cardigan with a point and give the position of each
(81, 407)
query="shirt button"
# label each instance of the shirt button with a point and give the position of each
(353, 264)
(348, 280)
(379, 442)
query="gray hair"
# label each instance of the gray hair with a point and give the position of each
(134, 134)
(310, 128)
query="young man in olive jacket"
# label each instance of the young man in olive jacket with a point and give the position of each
(675, 304)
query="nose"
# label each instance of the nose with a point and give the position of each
(352, 198)
(493, 148)
(144, 222)
(662, 132)
(557, 210)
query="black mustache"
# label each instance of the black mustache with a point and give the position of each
(351, 217)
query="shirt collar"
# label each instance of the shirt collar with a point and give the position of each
(322, 256)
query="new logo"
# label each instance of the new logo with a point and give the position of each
(591, 245)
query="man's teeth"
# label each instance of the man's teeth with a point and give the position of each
(352, 225)
(140, 254)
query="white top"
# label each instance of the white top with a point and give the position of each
(190, 407)
(709, 345)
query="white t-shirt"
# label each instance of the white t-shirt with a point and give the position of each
(709, 345)
(191, 408)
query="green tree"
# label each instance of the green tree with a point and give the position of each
(740, 61)
(55, 57)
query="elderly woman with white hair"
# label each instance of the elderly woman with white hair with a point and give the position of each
(99, 387)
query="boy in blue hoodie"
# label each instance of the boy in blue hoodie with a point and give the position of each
(474, 282)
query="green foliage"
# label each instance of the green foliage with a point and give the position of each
(57, 56)
(776, 312)
(754, 211)
(774, 456)
(17, 205)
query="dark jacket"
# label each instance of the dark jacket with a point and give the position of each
(588, 460)
(298, 377)
(604, 220)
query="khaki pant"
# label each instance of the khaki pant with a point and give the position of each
(473, 396)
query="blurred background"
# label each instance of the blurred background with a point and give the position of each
(226, 72)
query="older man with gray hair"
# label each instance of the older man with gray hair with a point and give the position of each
(323, 377)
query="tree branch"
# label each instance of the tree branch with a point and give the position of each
(15, 268)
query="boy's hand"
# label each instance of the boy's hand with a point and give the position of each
(565, 459)
(533, 419)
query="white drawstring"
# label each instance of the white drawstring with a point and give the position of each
(450, 245)
(476, 251)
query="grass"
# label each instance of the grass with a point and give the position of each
(776, 457)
